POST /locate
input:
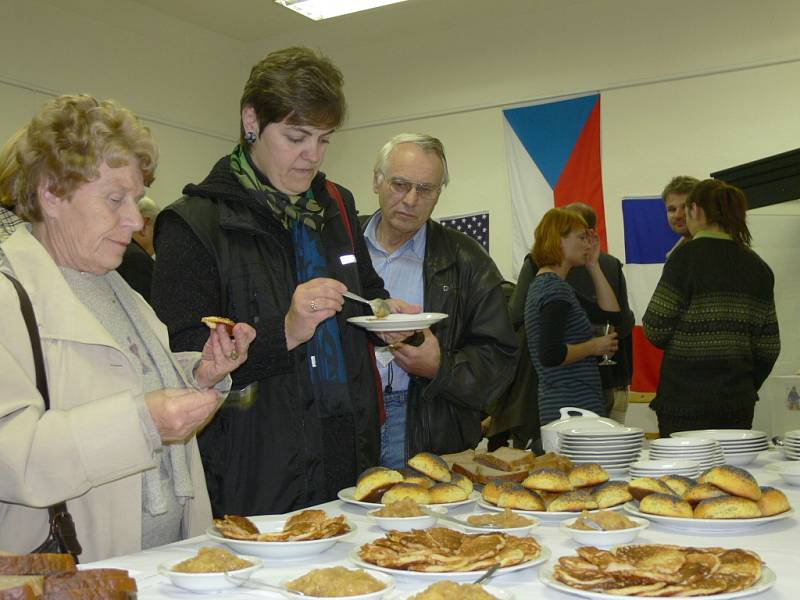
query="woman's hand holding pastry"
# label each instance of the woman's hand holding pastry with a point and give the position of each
(312, 302)
(177, 414)
(223, 353)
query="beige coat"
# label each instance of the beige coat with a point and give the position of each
(91, 447)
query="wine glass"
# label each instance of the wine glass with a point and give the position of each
(602, 330)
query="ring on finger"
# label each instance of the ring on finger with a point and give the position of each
(233, 355)
(313, 306)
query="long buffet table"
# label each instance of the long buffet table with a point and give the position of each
(777, 543)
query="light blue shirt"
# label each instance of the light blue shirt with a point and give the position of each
(402, 274)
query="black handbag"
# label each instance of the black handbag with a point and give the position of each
(62, 538)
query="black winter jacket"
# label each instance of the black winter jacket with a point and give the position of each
(270, 452)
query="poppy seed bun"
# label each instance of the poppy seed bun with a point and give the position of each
(702, 491)
(373, 482)
(492, 490)
(573, 502)
(727, 507)
(431, 465)
(666, 505)
(415, 492)
(587, 475)
(611, 493)
(548, 480)
(414, 476)
(733, 480)
(642, 486)
(678, 483)
(463, 482)
(772, 502)
(441, 493)
(516, 496)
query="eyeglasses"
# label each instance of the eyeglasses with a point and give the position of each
(402, 187)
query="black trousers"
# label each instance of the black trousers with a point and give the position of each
(739, 419)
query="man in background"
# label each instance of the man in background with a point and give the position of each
(137, 262)
(674, 196)
(434, 392)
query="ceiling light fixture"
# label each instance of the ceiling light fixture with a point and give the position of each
(325, 9)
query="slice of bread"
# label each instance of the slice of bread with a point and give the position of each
(506, 459)
(37, 564)
(482, 474)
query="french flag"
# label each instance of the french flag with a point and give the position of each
(553, 155)
(648, 239)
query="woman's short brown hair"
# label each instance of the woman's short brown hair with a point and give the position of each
(556, 223)
(69, 139)
(9, 169)
(724, 205)
(296, 84)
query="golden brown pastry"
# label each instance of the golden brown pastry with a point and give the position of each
(702, 491)
(431, 465)
(441, 493)
(573, 502)
(727, 507)
(374, 482)
(611, 493)
(772, 502)
(414, 476)
(463, 482)
(520, 498)
(551, 460)
(733, 480)
(491, 491)
(548, 480)
(667, 505)
(213, 322)
(415, 492)
(678, 483)
(642, 486)
(586, 475)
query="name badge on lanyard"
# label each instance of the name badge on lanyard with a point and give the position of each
(347, 259)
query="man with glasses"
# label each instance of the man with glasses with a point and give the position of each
(437, 383)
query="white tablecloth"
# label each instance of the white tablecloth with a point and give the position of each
(777, 543)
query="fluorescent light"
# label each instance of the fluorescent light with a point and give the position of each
(325, 9)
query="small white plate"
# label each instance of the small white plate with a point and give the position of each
(766, 581)
(398, 321)
(285, 550)
(209, 582)
(699, 526)
(497, 592)
(605, 539)
(683, 442)
(520, 531)
(405, 523)
(346, 495)
(455, 575)
(384, 578)
(721, 434)
(543, 515)
(665, 465)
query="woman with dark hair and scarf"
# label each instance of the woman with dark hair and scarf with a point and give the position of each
(266, 239)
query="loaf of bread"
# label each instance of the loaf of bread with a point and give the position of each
(643, 486)
(727, 507)
(517, 497)
(431, 465)
(36, 564)
(587, 475)
(548, 480)
(733, 480)
(20, 587)
(441, 493)
(373, 482)
(415, 492)
(678, 483)
(667, 505)
(573, 502)
(506, 459)
(702, 491)
(772, 502)
(611, 493)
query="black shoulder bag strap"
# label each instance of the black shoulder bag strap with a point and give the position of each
(62, 536)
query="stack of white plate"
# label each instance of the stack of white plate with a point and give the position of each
(706, 452)
(614, 449)
(657, 468)
(740, 446)
(791, 444)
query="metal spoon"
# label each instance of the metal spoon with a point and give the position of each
(260, 585)
(380, 308)
(488, 575)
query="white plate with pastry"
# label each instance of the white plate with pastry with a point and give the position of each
(398, 321)
(543, 515)
(346, 495)
(707, 525)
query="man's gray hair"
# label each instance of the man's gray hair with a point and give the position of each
(428, 143)
(148, 208)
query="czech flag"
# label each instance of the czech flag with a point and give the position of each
(553, 155)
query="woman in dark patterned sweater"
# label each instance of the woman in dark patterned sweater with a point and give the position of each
(559, 331)
(713, 313)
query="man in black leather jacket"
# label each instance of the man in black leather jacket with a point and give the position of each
(434, 392)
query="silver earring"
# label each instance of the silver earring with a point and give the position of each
(250, 137)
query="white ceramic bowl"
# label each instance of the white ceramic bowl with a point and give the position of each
(605, 539)
(385, 578)
(681, 442)
(722, 434)
(497, 592)
(209, 582)
(790, 471)
(741, 459)
(405, 523)
(520, 531)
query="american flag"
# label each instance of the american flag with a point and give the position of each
(475, 225)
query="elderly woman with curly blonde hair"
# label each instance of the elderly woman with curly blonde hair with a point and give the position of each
(117, 442)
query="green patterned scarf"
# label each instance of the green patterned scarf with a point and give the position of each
(305, 210)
